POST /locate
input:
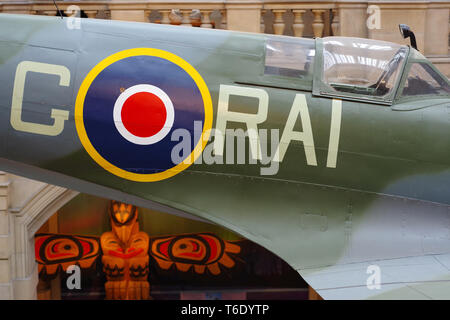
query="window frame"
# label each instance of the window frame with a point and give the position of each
(320, 88)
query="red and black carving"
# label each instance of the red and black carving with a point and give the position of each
(54, 251)
(201, 251)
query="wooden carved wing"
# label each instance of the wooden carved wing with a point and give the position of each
(56, 252)
(199, 251)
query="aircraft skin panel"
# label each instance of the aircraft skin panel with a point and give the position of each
(385, 197)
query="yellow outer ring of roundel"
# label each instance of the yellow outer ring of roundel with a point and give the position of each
(79, 122)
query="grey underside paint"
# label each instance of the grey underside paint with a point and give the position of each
(422, 277)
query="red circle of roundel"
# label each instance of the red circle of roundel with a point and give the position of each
(143, 114)
(152, 125)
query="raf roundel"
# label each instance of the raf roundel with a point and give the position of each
(130, 103)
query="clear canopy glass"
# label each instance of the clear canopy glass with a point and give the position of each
(362, 66)
(423, 80)
(289, 56)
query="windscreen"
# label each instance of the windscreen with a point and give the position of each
(423, 80)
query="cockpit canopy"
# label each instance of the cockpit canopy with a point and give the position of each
(362, 66)
(353, 68)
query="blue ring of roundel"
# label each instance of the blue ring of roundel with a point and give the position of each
(125, 73)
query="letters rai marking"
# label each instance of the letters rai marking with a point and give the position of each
(128, 105)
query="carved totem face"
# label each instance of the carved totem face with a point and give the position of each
(123, 220)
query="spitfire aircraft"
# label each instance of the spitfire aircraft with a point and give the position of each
(333, 153)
